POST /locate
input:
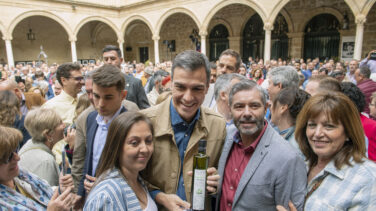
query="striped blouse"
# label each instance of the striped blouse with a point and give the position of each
(113, 193)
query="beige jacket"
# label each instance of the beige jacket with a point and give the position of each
(163, 169)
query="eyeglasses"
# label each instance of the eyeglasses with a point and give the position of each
(78, 78)
(10, 158)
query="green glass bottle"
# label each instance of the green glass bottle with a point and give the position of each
(200, 165)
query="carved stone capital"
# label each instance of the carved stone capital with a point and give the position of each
(360, 19)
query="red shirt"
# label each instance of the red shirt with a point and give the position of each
(237, 161)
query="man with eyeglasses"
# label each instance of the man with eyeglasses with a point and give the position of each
(70, 77)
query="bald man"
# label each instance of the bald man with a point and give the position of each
(27, 100)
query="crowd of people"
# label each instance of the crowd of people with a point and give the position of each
(113, 135)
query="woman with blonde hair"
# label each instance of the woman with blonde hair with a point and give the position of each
(46, 129)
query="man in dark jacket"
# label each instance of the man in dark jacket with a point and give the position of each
(135, 91)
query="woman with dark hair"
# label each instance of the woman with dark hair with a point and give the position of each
(331, 137)
(369, 125)
(285, 108)
(128, 148)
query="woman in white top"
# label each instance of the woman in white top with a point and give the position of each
(46, 129)
(128, 148)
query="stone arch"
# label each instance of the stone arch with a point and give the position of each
(252, 4)
(288, 19)
(318, 11)
(278, 8)
(135, 18)
(96, 18)
(47, 14)
(366, 7)
(223, 22)
(172, 12)
(2, 30)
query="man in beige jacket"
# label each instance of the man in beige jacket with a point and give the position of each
(179, 123)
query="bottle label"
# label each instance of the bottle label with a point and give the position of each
(199, 182)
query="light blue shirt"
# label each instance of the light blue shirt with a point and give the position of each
(100, 138)
(349, 188)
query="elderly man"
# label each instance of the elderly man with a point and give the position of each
(281, 77)
(27, 100)
(180, 122)
(365, 84)
(258, 168)
(353, 65)
(221, 91)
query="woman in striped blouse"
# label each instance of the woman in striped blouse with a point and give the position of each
(128, 148)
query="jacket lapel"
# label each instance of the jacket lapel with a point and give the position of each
(90, 133)
(253, 164)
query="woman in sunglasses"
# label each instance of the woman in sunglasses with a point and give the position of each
(20, 190)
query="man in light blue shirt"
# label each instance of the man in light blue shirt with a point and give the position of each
(108, 93)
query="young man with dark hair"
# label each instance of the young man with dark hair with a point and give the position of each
(136, 92)
(108, 93)
(180, 122)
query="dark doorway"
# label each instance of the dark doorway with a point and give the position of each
(144, 54)
(280, 40)
(218, 41)
(253, 38)
(321, 37)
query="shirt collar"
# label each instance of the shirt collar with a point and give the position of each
(100, 119)
(23, 101)
(68, 97)
(176, 119)
(331, 169)
(252, 147)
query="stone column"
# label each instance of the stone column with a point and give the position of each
(235, 43)
(268, 27)
(296, 43)
(203, 42)
(121, 47)
(156, 48)
(8, 46)
(359, 20)
(73, 49)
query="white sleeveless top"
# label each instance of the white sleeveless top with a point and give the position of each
(151, 206)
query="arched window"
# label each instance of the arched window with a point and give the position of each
(321, 37)
(218, 41)
(280, 40)
(253, 38)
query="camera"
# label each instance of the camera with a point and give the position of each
(67, 127)
(372, 56)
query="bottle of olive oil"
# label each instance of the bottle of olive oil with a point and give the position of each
(200, 164)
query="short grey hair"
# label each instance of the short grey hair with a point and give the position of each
(247, 85)
(191, 60)
(40, 121)
(285, 75)
(223, 82)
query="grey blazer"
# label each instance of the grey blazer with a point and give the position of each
(274, 175)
